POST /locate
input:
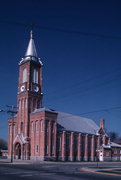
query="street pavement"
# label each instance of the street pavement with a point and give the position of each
(54, 171)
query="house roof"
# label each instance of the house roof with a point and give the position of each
(109, 146)
(115, 145)
(71, 122)
(42, 110)
(5, 151)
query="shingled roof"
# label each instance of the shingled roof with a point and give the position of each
(71, 122)
(76, 123)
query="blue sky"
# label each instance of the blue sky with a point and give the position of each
(82, 71)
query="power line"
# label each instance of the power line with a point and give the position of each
(58, 29)
(111, 113)
(74, 86)
(91, 112)
(71, 32)
(67, 115)
(62, 30)
(84, 90)
(101, 110)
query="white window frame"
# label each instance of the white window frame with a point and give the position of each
(35, 76)
(42, 126)
(37, 125)
(24, 75)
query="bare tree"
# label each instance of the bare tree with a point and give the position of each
(3, 144)
(113, 135)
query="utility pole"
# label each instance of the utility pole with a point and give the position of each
(12, 110)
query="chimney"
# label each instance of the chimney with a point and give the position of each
(102, 123)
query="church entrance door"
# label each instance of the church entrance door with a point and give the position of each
(18, 151)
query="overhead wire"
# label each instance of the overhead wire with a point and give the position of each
(71, 32)
(77, 85)
(67, 115)
(35, 25)
(83, 91)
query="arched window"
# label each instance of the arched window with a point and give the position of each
(22, 104)
(32, 126)
(19, 104)
(36, 126)
(14, 129)
(35, 76)
(37, 148)
(21, 126)
(41, 125)
(46, 126)
(67, 143)
(59, 143)
(25, 75)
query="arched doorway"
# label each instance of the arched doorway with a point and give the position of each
(17, 151)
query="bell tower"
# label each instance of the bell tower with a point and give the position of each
(29, 87)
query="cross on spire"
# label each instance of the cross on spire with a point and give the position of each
(31, 53)
(31, 49)
(31, 34)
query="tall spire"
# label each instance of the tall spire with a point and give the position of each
(31, 50)
(31, 53)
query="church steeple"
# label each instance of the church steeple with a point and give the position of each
(30, 73)
(31, 53)
(31, 49)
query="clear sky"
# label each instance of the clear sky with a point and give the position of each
(80, 50)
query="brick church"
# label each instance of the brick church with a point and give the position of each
(39, 133)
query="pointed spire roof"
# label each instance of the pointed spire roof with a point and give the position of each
(31, 53)
(31, 50)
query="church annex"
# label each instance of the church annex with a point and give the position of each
(43, 134)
